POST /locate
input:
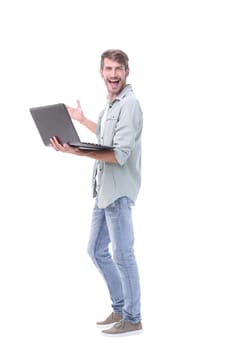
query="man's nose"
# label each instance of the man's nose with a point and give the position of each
(114, 71)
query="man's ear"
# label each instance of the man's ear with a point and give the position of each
(101, 73)
(127, 72)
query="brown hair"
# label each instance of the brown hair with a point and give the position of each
(115, 55)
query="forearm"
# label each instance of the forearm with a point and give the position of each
(89, 124)
(105, 156)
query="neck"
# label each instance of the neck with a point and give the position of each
(112, 95)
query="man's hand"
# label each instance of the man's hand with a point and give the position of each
(54, 143)
(76, 113)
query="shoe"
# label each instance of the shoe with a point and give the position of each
(110, 320)
(123, 328)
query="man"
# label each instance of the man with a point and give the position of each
(116, 183)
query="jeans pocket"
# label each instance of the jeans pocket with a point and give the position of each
(130, 203)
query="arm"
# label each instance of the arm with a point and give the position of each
(78, 115)
(105, 156)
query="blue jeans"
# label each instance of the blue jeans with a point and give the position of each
(119, 269)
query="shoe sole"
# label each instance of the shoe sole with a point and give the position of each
(124, 334)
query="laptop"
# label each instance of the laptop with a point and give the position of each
(54, 120)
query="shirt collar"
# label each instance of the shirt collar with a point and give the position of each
(122, 94)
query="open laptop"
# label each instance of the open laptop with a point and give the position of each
(54, 120)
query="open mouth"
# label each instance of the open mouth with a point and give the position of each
(114, 83)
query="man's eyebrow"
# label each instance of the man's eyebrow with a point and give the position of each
(118, 66)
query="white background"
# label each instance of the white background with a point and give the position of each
(181, 70)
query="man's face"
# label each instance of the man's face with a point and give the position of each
(114, 75)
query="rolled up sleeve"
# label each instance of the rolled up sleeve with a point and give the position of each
(126, 131)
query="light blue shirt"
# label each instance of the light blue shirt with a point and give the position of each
(122, 129)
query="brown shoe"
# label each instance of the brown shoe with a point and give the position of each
(110, 320)
(123, 328)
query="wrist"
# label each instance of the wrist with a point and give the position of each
(83, 120)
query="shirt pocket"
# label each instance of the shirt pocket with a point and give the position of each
(109, 129)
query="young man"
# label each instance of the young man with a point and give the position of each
(116, 183)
